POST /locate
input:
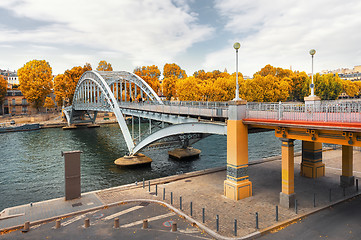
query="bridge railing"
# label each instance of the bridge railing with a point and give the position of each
(325, 111)
(206, 109)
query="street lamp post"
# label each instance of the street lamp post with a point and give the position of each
(312, 86)
(236, 46)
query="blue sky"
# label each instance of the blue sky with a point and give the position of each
(195, 34)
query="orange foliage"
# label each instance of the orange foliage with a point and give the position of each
(35, 79)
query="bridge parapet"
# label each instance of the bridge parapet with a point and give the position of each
(326, 111)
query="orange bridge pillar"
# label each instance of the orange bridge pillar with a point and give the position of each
(287, 196)
(312, 165)
(347, 179)
(237, 184)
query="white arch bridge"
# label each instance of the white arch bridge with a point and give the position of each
(127, 95)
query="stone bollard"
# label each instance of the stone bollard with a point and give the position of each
(174, 227)
(116, 222)
(86, 223)
(145, 224)
(57, 224)
(26, 226)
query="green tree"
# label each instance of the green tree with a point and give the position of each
(3, 88)
(35, 79)
(299, 86)
(327, 86)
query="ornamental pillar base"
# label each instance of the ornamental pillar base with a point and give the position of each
(312, 170)
(237, 190)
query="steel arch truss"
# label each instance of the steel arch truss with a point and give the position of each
(103, 91)
(180, 129)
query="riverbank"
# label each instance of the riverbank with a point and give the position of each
(51, 120)
(205, 190)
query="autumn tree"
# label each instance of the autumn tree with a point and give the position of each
(49, 103)
(188, 89)
(265, 89)
(35, 79)
(104, 66)
(350, 88)
(150, 74)
(171, 72)
(276, 72)
(169, 87)
(65, 84)
(3, 88)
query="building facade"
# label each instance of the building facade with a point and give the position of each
(16, 104)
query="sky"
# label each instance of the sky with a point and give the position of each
(195, 34)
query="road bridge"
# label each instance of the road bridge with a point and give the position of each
(315, 122)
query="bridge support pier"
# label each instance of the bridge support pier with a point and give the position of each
(237, 185)
(312, 165)
(287, 196)
(347, 179)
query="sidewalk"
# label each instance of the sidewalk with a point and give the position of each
(205, 190)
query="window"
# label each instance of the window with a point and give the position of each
(13, 102)
(25, 109)
(14, 110)
(23, 101)
(6, 102)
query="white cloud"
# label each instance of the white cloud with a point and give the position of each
(281, 33)
(146, 32)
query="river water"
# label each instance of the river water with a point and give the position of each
(32, 169)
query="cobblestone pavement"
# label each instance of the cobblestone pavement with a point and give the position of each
(101, 225)
(206, 191)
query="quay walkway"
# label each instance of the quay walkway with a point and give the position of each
(204, 189)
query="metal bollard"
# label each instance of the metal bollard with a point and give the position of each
(163, 193)
(356, 185)
(329, 196)
(145, 224)
(174, 227)
(143, 183)
(26, 226)
(57, 224)
(148, 186)
(296, 206)
(191, 208)
(314, 200)
(86, 222)
(171, 198)
(217, 222)
(235, 227)
(180, 202)
(116, 222)
(203, 215)
(156, 189)
(276, 213)
(256, 220)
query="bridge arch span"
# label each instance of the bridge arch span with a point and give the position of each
(101, 91)
(178, 129)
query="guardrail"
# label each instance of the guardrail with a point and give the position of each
(325, 111)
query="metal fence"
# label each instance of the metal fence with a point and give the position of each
(205, 109)
(325, 111)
